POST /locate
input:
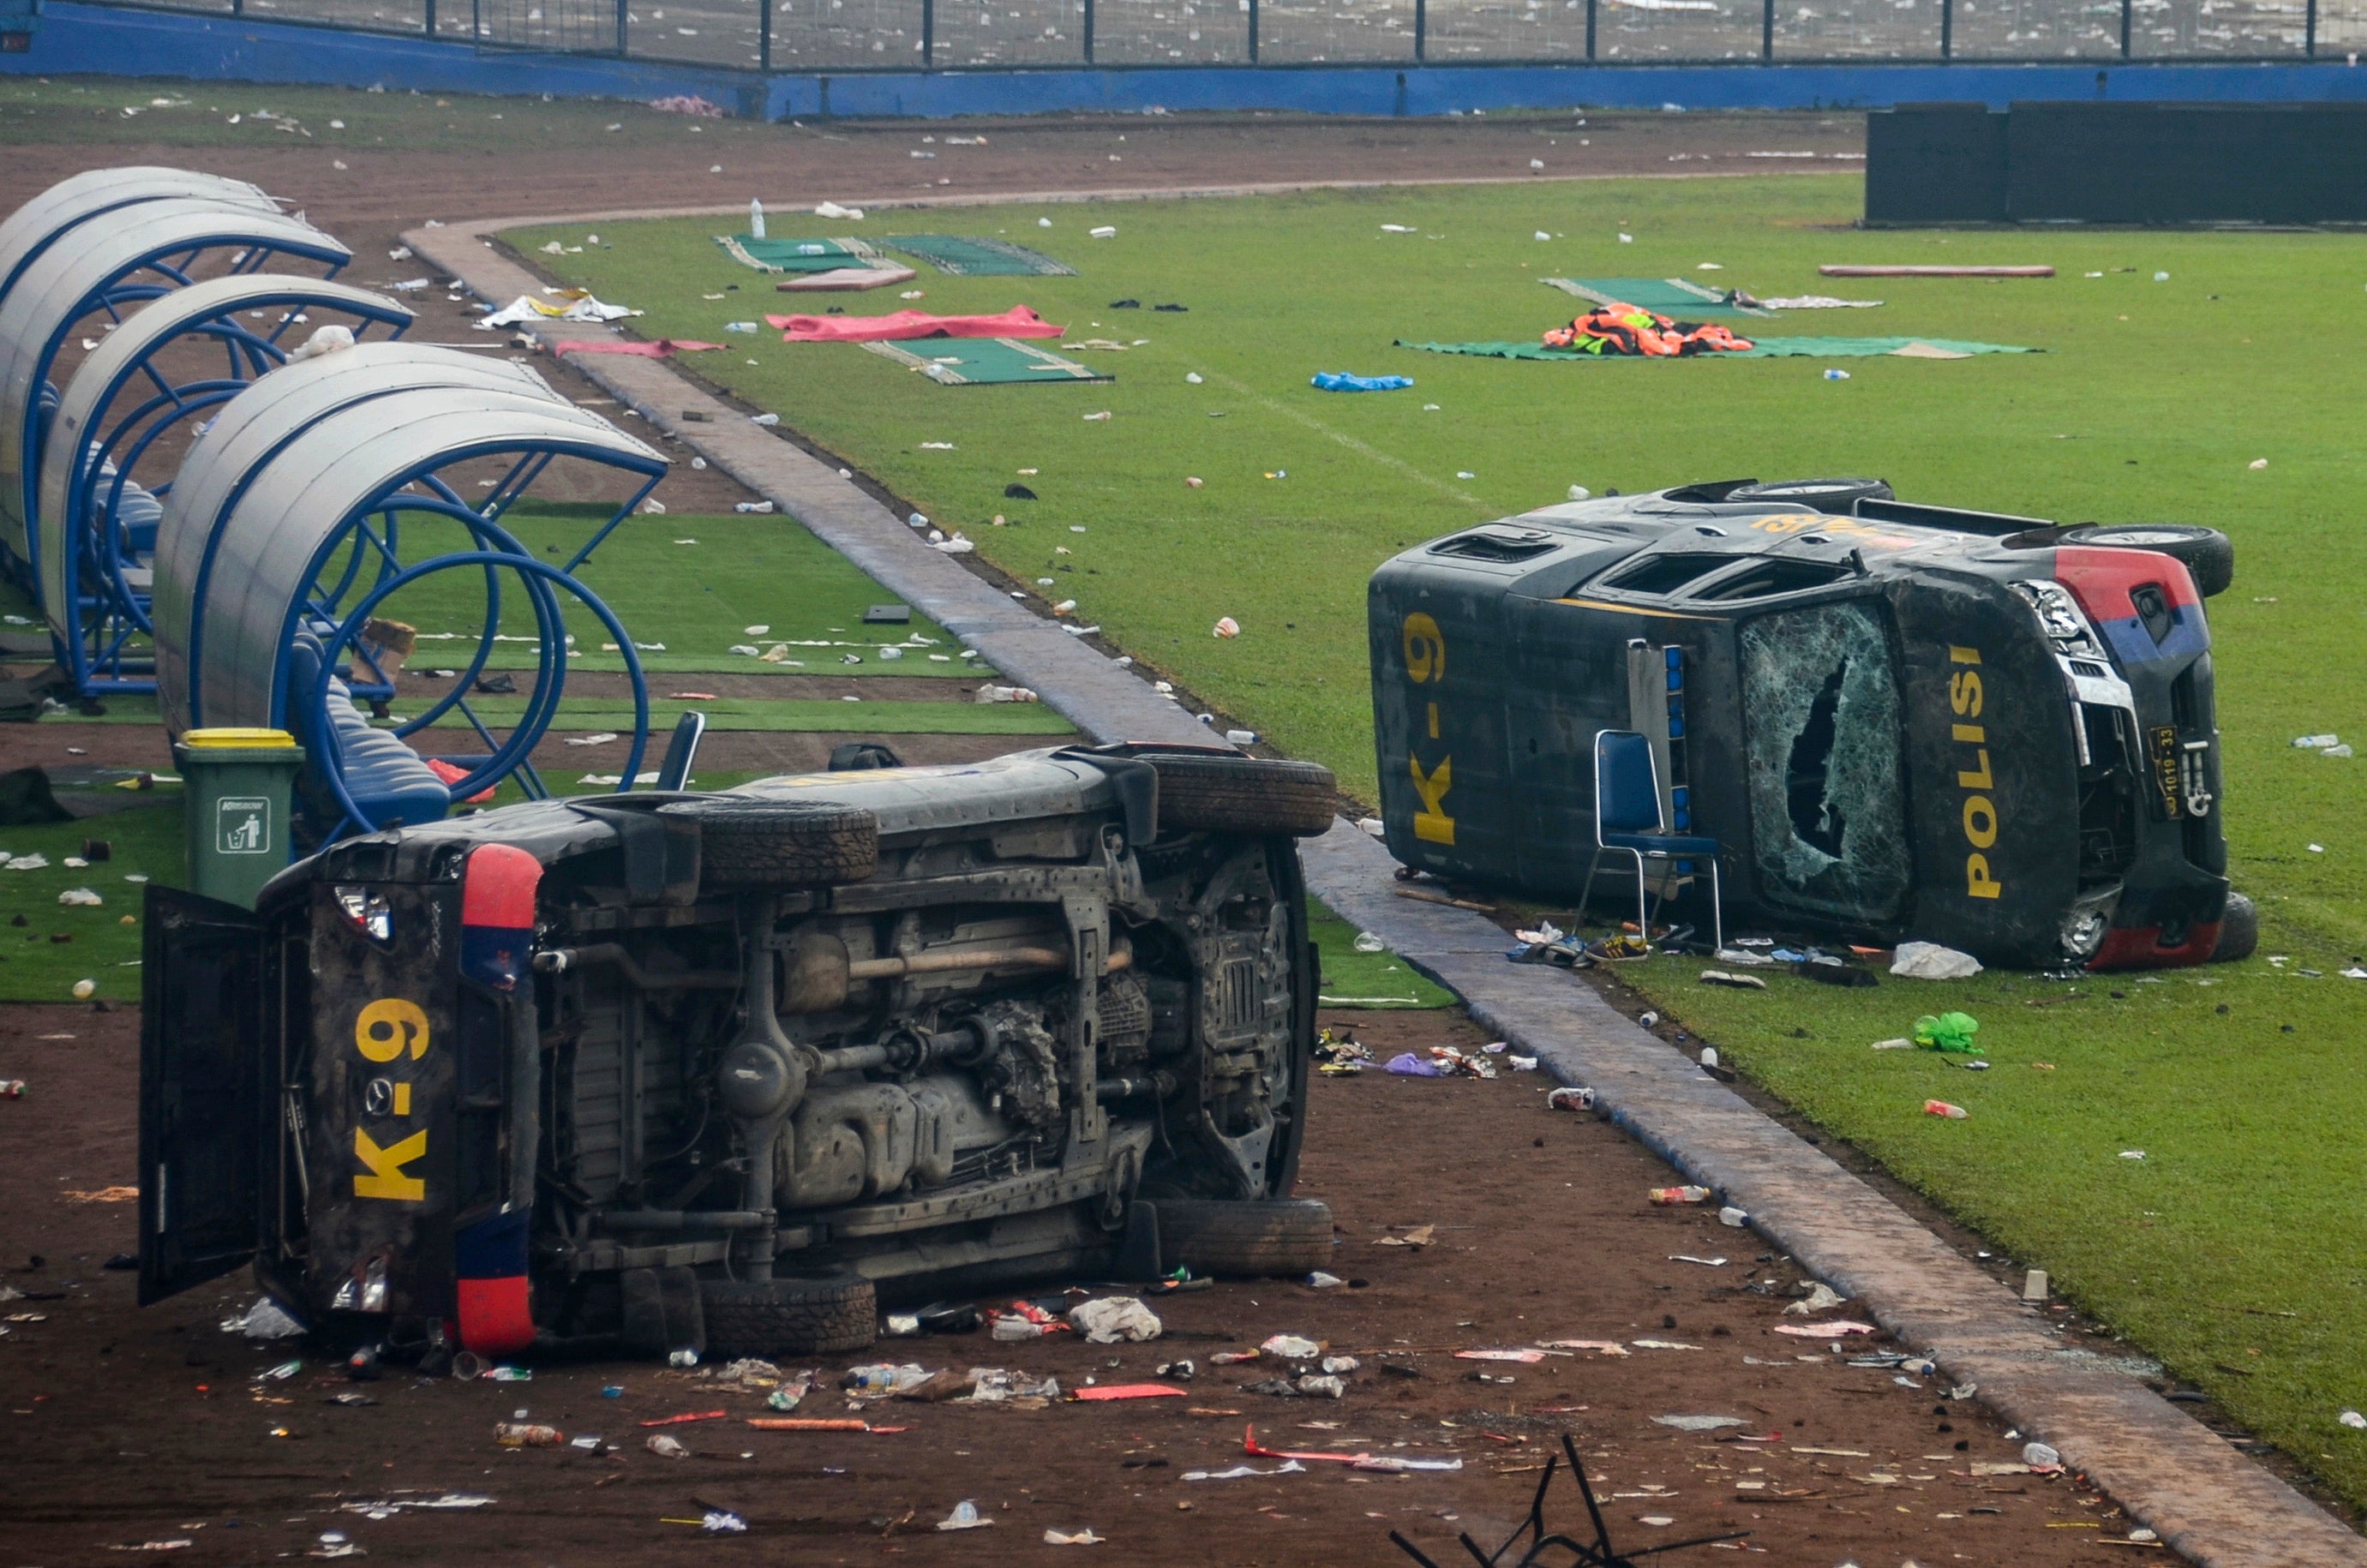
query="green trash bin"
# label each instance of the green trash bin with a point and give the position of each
(240, 784)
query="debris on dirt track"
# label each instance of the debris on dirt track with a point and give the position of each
(1551, 1252)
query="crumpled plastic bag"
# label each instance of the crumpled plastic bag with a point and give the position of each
(1108, 1320)
(1405, 1064)
(1930, 960)
(1951, 1031)
(264, 1320)
(330, 339)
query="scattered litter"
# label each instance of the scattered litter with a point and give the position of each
(722, 1521)
(1699, 1423)
(1521, 1358)
(2040, 1456)
(1342, 381)
(1291, 1347)
(1602, 1347)
(1322, 1281)
(1948, 1031)
(1822, 1299)
(1705, 1262)
(1419, 1235)
(2132, 1154)
(2352, 1419)
(1242, 1471)
(1110, 1319)
(1838, 1328)
(1570, 1100)
(1732, 1218)
(965, 1516)
(264, 1320)
(80, 897)
(1941, 1108)
(1026, 1320)
(526, 1435)
(1082, 1537)
(1124, 1391)
(1930, 960)
(1226, 627)
(1724, 978)
(1671, 1196)
(1661, 1345)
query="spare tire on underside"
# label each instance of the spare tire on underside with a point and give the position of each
(1249, 1237)
(744, 842)
(2239, 929)
(793, 1316)
(2208, 555)
(1214, 792)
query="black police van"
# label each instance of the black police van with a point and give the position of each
(651, 1072)
(1899, 720)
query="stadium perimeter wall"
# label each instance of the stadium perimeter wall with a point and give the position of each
(122, 41)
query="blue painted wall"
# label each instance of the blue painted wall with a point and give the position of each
(83, 38)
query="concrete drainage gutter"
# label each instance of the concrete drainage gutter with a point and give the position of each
(2208, 1502)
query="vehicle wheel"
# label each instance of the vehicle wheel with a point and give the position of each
(790, 1317)
(1218, 794)
(1822, 495)
(751, 841)
(2239, 930)
(1244, 1236)
(2206, 553)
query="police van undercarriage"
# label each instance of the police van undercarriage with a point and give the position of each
(719, 1071)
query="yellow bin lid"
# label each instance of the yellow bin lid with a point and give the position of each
(241, 740)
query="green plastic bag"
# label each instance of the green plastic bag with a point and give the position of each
(1949, 1032)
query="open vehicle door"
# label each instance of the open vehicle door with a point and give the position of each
(201, 1054)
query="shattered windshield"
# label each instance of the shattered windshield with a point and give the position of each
(1827, 803)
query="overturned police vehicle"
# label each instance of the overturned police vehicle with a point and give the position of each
(715, 1071)
(1877, 719)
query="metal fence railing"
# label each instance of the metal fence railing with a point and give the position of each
(956, 35)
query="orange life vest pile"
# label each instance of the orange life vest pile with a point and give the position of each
(1628, 330)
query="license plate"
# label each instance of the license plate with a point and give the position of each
(2162, 742)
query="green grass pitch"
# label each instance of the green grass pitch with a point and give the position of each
(2153, 400)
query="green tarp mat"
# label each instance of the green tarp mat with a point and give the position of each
(799, 255)
(983, 362)
(1662, 296)
(966, 257)
(1763, 348)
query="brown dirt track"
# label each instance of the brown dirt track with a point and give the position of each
(121, 1426)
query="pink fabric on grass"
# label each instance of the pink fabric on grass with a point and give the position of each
(1017, 322)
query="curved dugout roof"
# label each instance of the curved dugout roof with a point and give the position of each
(117, 361)
(280, 534)
(66, 282)
(239, 445)
(37, 225)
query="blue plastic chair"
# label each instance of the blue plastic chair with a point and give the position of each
(682, 752)
(1627, 821)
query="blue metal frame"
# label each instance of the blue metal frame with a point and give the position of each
(173, 263)
(323, 603)
(491, 770)
(110, 612)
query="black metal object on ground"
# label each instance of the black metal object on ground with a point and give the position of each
(1600, 1553)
